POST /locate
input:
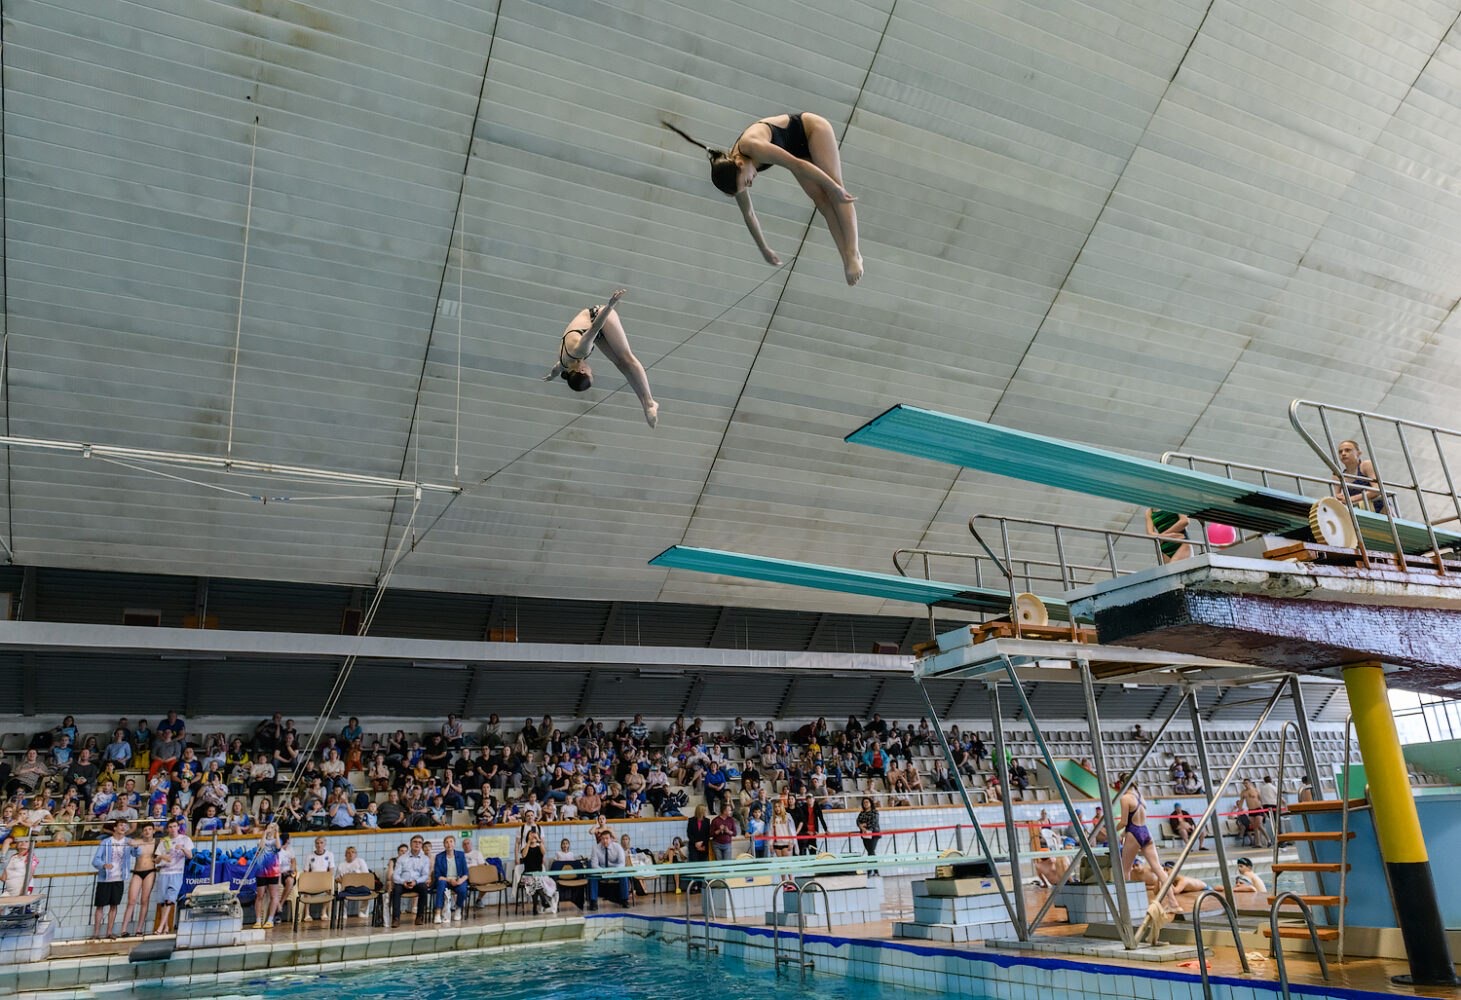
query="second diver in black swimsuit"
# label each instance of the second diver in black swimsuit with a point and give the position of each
(806, 145)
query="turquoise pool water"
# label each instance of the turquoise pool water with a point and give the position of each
(610, 969)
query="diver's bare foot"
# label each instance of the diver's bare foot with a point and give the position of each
(853, 271)
(651, 415)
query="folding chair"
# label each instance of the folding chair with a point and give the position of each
(357, 887)
(483, 880)
(312, 887)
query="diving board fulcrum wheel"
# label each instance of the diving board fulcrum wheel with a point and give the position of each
(1030, 610)
(1331, 524)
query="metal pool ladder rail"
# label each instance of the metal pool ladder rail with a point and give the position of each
(811, 885)
(707, 914)
(1197, 934)
(1283, 976)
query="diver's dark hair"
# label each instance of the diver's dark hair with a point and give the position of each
(578, 381)
(723, 170)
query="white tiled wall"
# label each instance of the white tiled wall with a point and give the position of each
(66, 870)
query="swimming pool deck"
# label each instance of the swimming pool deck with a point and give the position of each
(78, 967)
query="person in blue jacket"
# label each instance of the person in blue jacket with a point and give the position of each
(450, 875)
(113, 862)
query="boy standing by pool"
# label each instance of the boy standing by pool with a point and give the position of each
(113, 863)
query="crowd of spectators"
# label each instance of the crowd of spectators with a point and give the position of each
(75, 787)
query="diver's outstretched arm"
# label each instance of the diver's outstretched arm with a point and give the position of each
(743, 199)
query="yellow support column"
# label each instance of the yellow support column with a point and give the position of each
(1397, 827)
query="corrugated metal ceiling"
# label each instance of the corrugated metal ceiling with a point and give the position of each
(1141, 225)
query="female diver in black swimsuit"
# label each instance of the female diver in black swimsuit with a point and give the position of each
(805, 144)
(599, 326)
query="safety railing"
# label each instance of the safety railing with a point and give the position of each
(1232, 916)
(1283, 975)
(1069, 574)
(1401, 433)
(1304, 484)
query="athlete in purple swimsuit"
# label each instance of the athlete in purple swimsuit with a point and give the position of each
(1137, 839)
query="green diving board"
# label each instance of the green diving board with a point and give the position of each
(1066, 465)
(889, 586)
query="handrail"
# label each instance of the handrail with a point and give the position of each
(1283, 736)
(1197, 933)
(801, 930)
(1066, 568)
(707, 909)
(1344, 836)
(690, 943)
(776, 894)
(1283, 976)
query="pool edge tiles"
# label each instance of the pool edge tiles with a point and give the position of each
(111, 975)
(970, 972)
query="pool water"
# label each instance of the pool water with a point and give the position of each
(609, 969)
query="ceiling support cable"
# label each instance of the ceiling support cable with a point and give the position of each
(243, 274)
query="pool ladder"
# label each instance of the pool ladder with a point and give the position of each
(811, 885)
(707, 914)
(1283, 976)
(1197, 934)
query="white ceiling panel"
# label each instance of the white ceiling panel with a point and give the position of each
(1147, 226)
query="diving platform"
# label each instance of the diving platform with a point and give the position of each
(957, 656)
(1301, 617)
(1035, 458)
(930, 593)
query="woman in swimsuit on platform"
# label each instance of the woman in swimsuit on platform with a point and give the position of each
(1136, 838)
(806, 145)
(599, 326)
(144, 873)
(1359, 480)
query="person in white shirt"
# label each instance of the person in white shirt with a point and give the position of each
(322, 860)
(353, 864)
(412, 874)
(173, 853)
(19, 868)
(474, 856)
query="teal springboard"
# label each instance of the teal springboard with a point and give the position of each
(846, 581)
(1067, 465)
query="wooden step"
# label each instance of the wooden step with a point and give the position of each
(1308, 866)
(1297, 835)
(1312, 900)
(1302, 931)
(1323, 805)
